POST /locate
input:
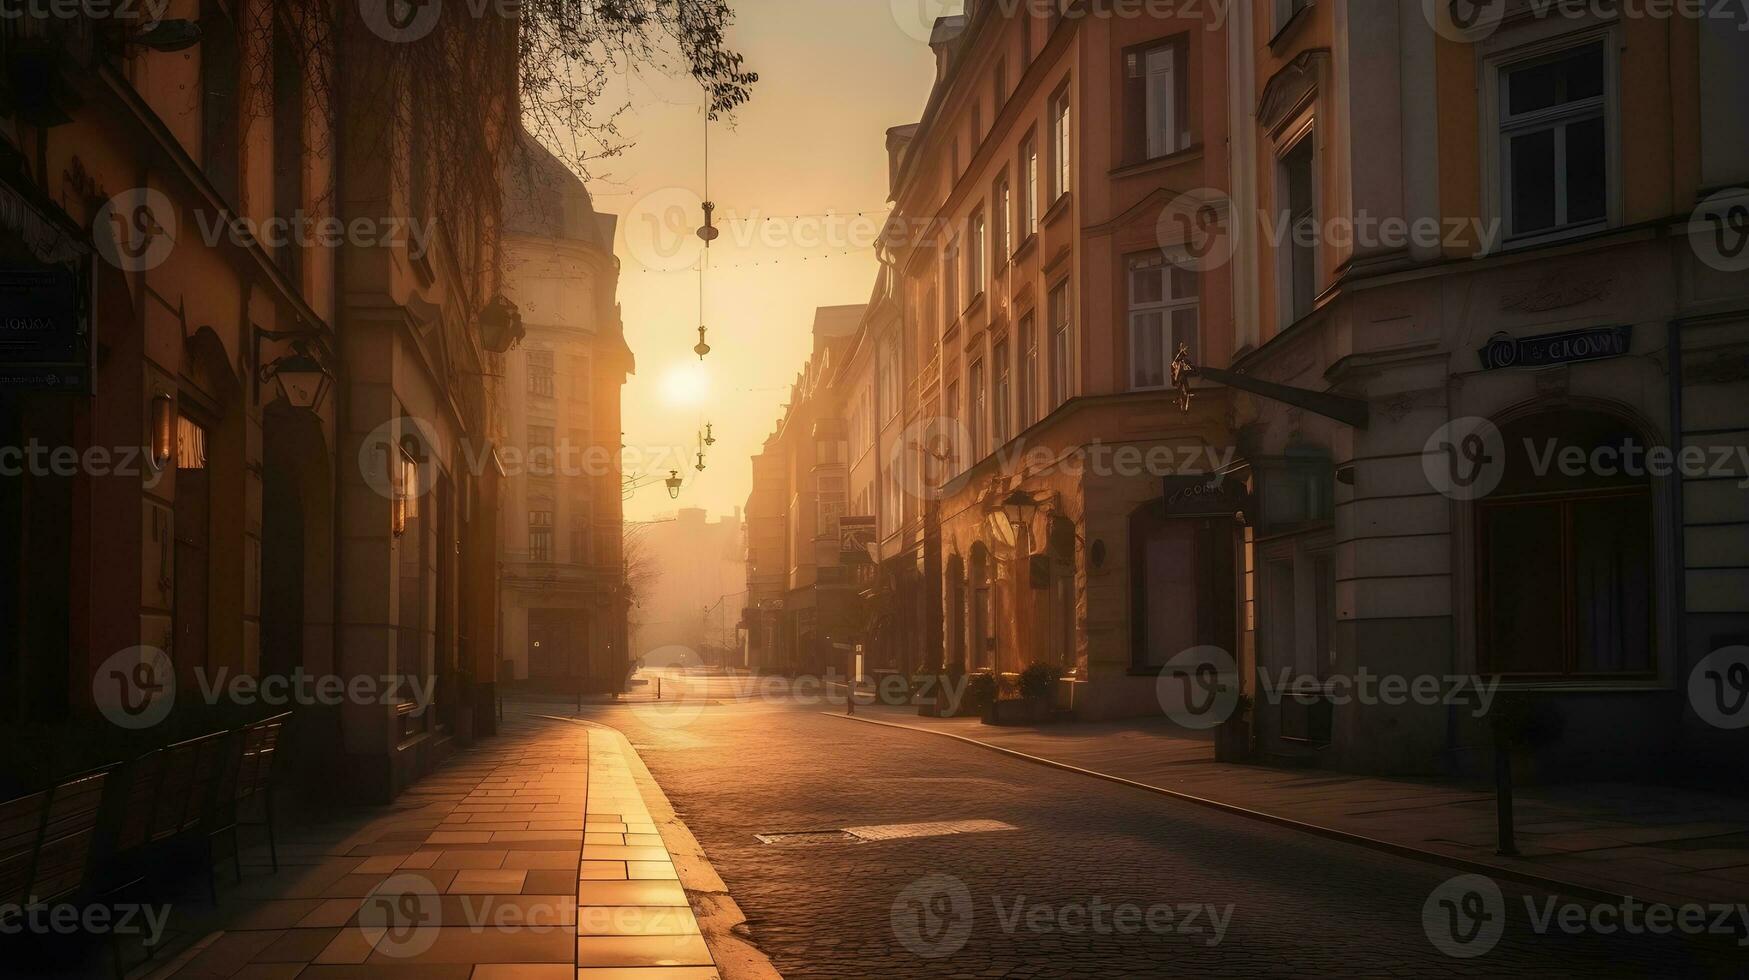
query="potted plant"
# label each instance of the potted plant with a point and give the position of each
(1035, 688)
(1233, 737)
(977, 692)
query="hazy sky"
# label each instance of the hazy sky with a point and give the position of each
(834, 75)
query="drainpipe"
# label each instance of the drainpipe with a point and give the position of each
(1679, 546)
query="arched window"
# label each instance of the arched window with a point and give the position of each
(1564, 560)
(982, 609)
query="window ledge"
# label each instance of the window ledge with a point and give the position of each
(1026, 245)
(1558, 236)
(1283, 34)
(1058, 208)
(976, 304)
(1189, 154)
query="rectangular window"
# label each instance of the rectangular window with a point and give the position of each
(1163, 314)
(288, 146)
(975, 259)
(1060, 144)
(1025, 34)
(540, 372)
(1028, 220)
(999, 396)
(951, 402)
(582, 519)
(1299, 254)
(540, 535)
(1156, 102)
(950, 278)
(540, 450)
(1566, 585)
(977, 126)
(975, 411)
(999, 87)
(1286, 11)
(1001, 242)
(1027, 410)
(219, 74)
(1553, 142)
(1059, 346)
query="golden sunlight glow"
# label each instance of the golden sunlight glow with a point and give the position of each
(686, 385)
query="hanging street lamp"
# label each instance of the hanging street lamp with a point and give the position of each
(673, 483)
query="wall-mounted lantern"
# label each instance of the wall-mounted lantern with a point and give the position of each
(163, 430)
(303, 381)
(673, 483)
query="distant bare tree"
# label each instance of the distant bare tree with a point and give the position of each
(642, 571)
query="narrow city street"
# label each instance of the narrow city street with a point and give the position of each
(1298, 904)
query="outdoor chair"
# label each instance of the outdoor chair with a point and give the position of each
(47, 843)
(251, 784)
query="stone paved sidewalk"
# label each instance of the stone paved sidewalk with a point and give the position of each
(1651, 842)
(532, 856)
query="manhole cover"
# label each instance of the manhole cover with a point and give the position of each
(808, 837)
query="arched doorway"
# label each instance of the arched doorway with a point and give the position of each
(296, 544)
(956, 612)
(983, 621)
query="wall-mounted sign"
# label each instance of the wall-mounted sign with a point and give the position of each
(1566, 347)
(1202, 496)
(42, 338)
(856, 535)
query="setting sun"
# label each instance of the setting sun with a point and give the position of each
(685, 385)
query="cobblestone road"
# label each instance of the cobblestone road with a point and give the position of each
(1024, 903)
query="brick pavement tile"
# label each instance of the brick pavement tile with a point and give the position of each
(459, 837)
(642, 951)
(603, 838)
(650, 973)
(332, 913)
(602, 871)
(471, 860)
(381, 864)
(643, 840)
(296, 946)
(651, 871)
(542, 860)
(524, 971)
(389, 971)
(351, 946)
(282, 914)
(524, 836)
(227, 954)
(630, 893)
(481, 882)
(636, 920)
(537, 944)
(609, 852)
(548, 882)
(268, 971)
(421, 860)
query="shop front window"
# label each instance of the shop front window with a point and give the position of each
(1565, 578)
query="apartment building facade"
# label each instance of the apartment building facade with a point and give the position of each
(263, 344)
(562, 601)
(1408, 263)
(1556, 299)
(1048, 211)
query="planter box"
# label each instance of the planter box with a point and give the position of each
(1019, 712)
